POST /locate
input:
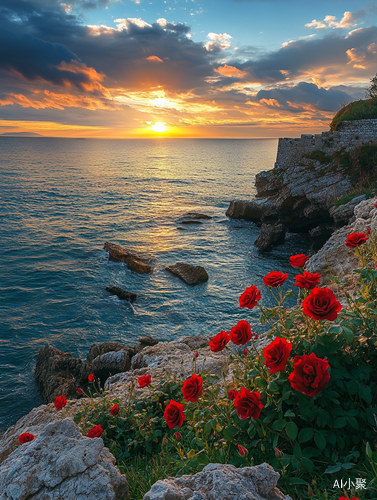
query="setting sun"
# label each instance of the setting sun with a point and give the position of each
(159, 127)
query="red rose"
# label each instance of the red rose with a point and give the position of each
(60, 402)
(356, 239)
(298, 261)
(219, 341)
(79, 390)
(144, 381)
(245, 352)
(241, 333)
(274, 279)
(91, 378)
(250, 297)
(178, 436)
(276, 355)
(242, 450)
(321, 303)
(248, 404)
(114, 410)
(95, 432)
(353, 498)
(307, 280)
(310, 374)
(192, 388)
(232, 394)
(25, 437)
(174, 415)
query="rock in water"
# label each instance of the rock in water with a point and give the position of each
(221, 482)
(134, 262)
(122, 294)
(57, 373)
(60, 464)
(269, 236)
(193, 218)
(188, 273)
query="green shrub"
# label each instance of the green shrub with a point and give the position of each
(320, 156)
(357, 110)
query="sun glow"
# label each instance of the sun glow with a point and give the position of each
(159, 127)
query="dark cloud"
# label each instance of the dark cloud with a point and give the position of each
(305, 94)
(303, 56)
(121, 54)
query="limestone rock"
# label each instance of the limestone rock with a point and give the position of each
(122, 294)
(334, 255)
(134, 262)
(297, 197)
(193, 218)
(343, 213)
(60, 463)
(221, 482)
(269, 236)
(105, 347)
(57, 373)
(188, 273)
(108, 364)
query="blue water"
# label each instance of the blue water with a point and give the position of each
(61, 199)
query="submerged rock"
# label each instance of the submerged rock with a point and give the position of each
(221, 482)
(57, 373)
(60, 463)
(270, 236)
(122, 294)
(134, 262)
(188, 273)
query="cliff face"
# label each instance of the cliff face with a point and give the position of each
(309, 175)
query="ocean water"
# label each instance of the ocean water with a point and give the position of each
(62, 199)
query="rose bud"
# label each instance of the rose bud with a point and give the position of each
(91, 378)
(177, 436)
(60, 402)
(242, 450)
(245, 352)
(95, 432)
(278, 453)
(196, 355)
(368, 230)
(232, 394)
(255, 336)
(114, 410)
(79, 390)
(165, 442)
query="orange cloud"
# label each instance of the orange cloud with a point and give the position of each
(270, 102)
(356, 58)
(230, 71)
(93, 78)
(154, 59)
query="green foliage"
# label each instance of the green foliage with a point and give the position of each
(357, 110)
(320, 156)
(371, 91)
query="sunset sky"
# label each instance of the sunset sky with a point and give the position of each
(182, 68)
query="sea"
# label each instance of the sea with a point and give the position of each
(62, 199)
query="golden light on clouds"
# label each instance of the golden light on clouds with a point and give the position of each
(159, 127)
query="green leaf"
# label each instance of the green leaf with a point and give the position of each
(353, 422)
(332, 469)
(365, 393)
(291, 430)
(307, 464)
(323, 417)
(273, 387)
(289, 324)
(207, 428)
(335, 330)
(230, 432)
(352, 387)
(279, 425)
(297, 480)
(320, 440)
(348, 334)
(340, 422)
(305, 435)
(348, 465)
(262, 320)
(289, 413)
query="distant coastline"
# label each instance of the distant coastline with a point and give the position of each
(21, 134)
